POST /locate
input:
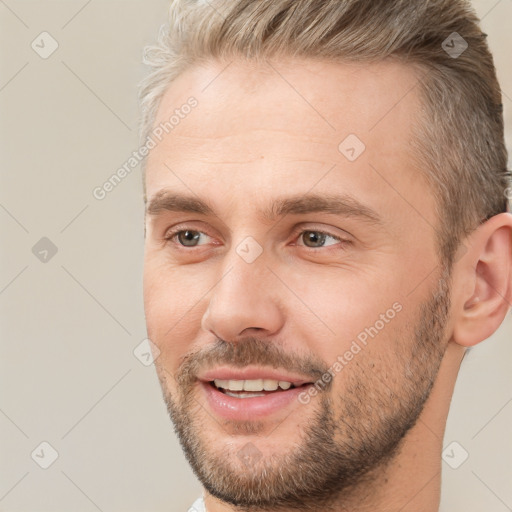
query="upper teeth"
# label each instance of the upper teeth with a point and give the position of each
(252, 385)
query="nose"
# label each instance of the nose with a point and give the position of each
(244, 301)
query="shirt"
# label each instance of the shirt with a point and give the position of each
(197, 506)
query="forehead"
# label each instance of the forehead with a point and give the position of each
(331, 96)
(282, 124)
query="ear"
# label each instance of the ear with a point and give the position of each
(483, 281)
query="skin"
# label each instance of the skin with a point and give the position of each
(265, 131)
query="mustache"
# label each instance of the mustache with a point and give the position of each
(245, 352)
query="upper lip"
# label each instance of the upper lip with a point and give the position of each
(252, 373)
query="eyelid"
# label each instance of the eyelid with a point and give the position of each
(301, 228)
(175, 230)
(325, 231)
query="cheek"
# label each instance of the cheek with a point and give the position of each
(351, 320)
(168, 292)
(344, 303)
(173, 311)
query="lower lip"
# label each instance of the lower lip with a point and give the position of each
(249, 409)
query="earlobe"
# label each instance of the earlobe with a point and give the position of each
(484, 277)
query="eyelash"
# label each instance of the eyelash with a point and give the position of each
(296, 233)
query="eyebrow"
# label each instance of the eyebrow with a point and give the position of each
(341, 205)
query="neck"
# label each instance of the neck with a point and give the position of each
(412, 480)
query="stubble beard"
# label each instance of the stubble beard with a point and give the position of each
(337, 456)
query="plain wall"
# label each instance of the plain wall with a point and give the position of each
(68, 375)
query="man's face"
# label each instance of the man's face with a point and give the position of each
(350, 292)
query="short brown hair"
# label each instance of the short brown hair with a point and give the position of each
(459, 139)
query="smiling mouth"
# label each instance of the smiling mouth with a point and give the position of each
(252, 388)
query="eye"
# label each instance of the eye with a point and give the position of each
(314, 239)
(186, 237)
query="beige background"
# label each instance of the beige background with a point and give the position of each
(68, 375)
